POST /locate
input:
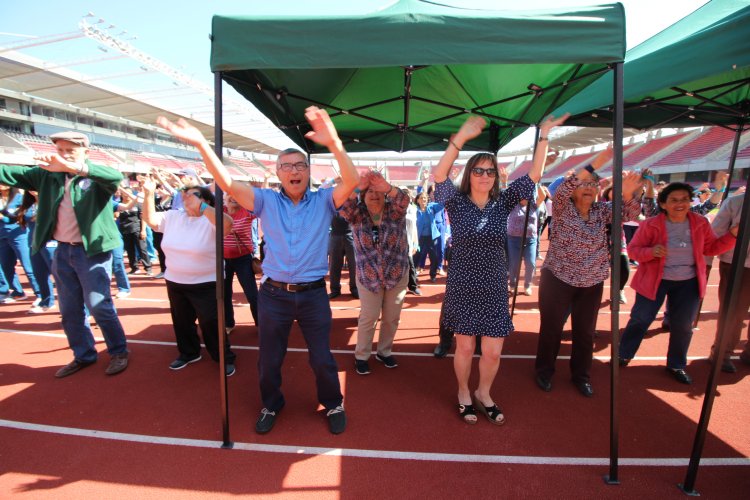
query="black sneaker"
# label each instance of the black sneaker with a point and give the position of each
(362, 367)
(179, 363)
(416, 291)
(229, 369)
(265, 421)
(336, 419)
(388, 361)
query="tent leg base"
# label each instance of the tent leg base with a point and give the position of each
(690, 493)
(227, 445)
(611, 481)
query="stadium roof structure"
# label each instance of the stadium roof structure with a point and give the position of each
(402, 76)
(36, 80)
(696, 72)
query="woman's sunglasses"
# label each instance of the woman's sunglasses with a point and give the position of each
(478, 172)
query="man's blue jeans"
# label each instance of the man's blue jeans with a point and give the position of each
(529, 257)
(83, 280)
(682, 302)
(243, 268)
(277, 310)
(42, 264)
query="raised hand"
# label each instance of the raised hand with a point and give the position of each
(55, 163)
(182, 130)
(550, 123)
(149, 185)
(632, 183)
(502, 174)
(551, 158)
(378, 183)
(720, 181)
(602, 158)
(471, 128)
(323, 131)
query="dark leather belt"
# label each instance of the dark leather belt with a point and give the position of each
(71, 243)
(297, 287)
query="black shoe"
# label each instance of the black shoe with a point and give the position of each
(336, 419)
(623, 362)
(416, 291)
(441, 350)
(355, 294)
(584, 388)
(265, 421)
(362, 367)
(433, 279)
(179, 363)
(229, 369)
(680, 376)
(333, 295)
(388, 361)
(544, 384)
(728, 367)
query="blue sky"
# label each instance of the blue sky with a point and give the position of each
(177, 32)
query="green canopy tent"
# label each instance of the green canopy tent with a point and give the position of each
(403, 75)
(696, 72)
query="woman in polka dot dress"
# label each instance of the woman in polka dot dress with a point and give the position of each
(476, 295)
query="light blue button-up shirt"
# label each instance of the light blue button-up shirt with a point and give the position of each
(296, 236)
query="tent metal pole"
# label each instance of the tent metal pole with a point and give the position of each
(523, 236)
(612, 477)
(729, 303)
(733, 158)
(219, 209)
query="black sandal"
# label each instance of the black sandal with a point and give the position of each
(493, 413)
(466, 412)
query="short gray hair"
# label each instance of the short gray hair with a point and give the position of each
(289, 151)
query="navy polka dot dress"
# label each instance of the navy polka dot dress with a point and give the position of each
(476, 294)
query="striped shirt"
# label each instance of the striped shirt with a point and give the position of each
(239, 241)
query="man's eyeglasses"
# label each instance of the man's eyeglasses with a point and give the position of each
(478, 172)
(300, 166)
(589, 185)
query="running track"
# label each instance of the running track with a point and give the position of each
(154, 433)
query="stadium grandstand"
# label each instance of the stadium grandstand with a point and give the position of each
(36, 101)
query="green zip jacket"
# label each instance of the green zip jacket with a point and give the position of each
(91, 196)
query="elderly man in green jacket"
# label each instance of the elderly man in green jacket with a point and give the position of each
(74, 208)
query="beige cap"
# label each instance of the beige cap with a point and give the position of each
(74, 137)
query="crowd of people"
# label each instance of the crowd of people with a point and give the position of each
(76, 221)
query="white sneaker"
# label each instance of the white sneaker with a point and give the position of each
(38, 310)
(229, 329)
(623, 299)
(8, 300)
(527, 291)
(122, 294)
(36, 302)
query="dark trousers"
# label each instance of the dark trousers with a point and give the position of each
(413, 283)
(428, 246)
(682, 302)
(733, 318)
(338, 246)
(188, 302)
(157, 245)
(277, 310)
(557, 299)
(243, 268)
(131, 241)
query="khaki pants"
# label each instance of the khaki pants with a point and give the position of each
(387, 302)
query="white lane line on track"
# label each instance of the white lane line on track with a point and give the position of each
(359, 453)
(337, 351)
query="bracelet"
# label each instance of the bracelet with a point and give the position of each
(649, 178)
(204, 206)
(541, 139)
(357, 190)
(590, 169)
(450, 141)
(723, 190)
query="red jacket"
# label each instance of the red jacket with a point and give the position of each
(653, 232)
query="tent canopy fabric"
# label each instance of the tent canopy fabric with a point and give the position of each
(696, 72)
(401, 75)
